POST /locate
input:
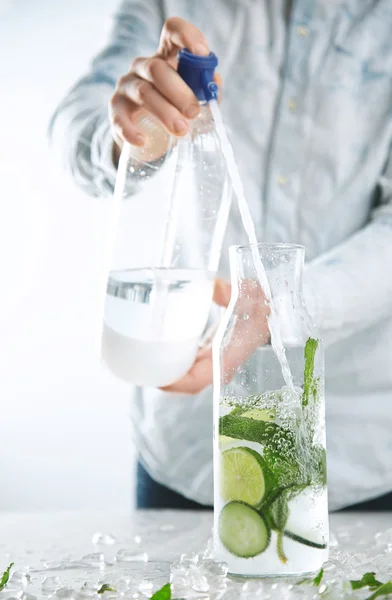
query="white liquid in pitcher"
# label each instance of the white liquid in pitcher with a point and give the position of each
(247, 221)
(153, 322)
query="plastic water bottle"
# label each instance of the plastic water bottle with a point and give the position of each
(170, 211)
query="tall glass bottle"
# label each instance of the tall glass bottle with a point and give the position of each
(271, 513)
(167, 241)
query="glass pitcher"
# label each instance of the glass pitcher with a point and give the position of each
(167, 241)
(270, 508)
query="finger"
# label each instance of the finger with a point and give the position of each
(123, 114)
(218, 79)
(197, 379)
(203, 353)
(222, 293)
(167, 81)
(143, 94)
(178, 33)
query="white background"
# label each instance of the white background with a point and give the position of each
(65, 438)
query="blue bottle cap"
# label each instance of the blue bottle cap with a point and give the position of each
(198, 73)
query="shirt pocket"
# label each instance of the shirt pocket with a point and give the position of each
(360, 53)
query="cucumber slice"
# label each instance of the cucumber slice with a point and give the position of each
(244, 476)
(257, 414)
(243, 531)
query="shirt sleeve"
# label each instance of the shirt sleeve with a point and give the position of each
(79, 130)
(349, 288)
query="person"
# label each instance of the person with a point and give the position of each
(307, 95)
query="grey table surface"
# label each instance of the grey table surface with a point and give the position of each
(48, 551)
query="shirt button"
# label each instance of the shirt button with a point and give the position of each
(302, 30)
(282, 180)
(292, 104)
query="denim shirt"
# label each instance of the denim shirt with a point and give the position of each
(308, 104)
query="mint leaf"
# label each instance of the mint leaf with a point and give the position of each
(106, 588)
(278, 515)
(309, 383)
(318, 578)
(250, 430)
(368, 580)
(163, 594)
(5, 577)
(279, 512)
(318, 470)
(383, 590)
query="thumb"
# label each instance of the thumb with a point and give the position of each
(222, 293)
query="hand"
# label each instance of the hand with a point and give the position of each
(152, 85)
(250, 331)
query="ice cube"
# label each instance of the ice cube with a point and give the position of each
(344, 562)
(51, 584)
(63, 593)
(25, 596)
(384, 538)
(123, 585)
(339, 590)
(209, 550)
(213, 569)
(19, 579)
(95, 560)
(179, 575)
(145, 587)
(187, 560)
(103, 539)
(89, 588)
(197, 580)
(126, 555)
(382, 564)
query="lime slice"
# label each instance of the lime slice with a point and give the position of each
(243, 531)
(257, 414)
(243, 476)
(225, 442)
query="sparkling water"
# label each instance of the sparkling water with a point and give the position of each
(153, 323)
(296, 435)
(273, 323)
